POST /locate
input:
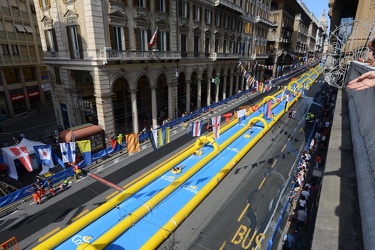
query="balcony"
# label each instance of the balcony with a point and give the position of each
(226, 5)
(218, 56)
(261, 20)
(115, 55)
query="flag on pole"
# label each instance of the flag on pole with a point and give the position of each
(215, 121)
(22, 155)
(154, 138)
(197, 127)
(43, 153)
(153, 39)
(115, 145)
(119, 139)
(85, 148)
(241, 114)
(132, 143)
(68, 151)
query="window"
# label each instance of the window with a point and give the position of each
(51, 40)
(196, 46)
(247, 8)
(234, 24)
(216, 45)
(75, 42)
(183, 43)
(32, 8)
(207, 45)
(162, 6)
(5, 49)
(11, 75)
(184, 9)
(226, 22)
(29, 74)
(44, 3)
(163, 43)
(143, 40)
(197, 13)
(225, 46)
(218, 19)
(20, 28)
(208, 16)
(117, 38)
(15, 50)
(142, 3)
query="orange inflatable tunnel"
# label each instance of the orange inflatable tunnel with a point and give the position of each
(255, 107)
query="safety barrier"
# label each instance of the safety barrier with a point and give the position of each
(10, 244)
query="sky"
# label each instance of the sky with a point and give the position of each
(317, 7)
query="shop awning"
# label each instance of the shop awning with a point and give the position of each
(79, 132)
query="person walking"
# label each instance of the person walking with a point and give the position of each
(289, 240)
(40, 185)
(51, 187)
(35, 193)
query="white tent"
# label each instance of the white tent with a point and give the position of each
(9, 157)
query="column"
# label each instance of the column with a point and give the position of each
(7, 96)
(154, 111)
(104, 109)
(199, 93)
(25, 89)
(209, 91)
(170, 101)
(217, 92)
(133, 98)
(231, 84)
(225, 87)
(188, 101)
(237, 81)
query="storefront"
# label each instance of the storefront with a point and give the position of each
(18, 99)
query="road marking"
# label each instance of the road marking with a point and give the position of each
(111, 195)
(223, 245)
(80, 215)
(273, 164)
(261, 184)
(283, 148)
(243, 212)
(49, 234)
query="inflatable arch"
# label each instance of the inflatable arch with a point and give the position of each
(256, 119)
(201, 141)
(267, 98)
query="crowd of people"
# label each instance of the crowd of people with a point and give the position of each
(304, 188)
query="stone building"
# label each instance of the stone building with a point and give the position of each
(22, 72)
(104, 71)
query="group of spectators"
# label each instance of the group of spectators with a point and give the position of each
(303, 192)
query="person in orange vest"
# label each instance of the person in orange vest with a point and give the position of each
(40, 185)
(35, 193)
(51, 187)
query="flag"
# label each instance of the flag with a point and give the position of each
(68, 151)
(160, 137)
(132, 143)
(114, 144)
(241, 114)
(197, 127)
(288, 97)
(22, 155)
(154, 138)
(215, 121)
(269, 109)
(119, 139)
(153, 39)
(166, 134)
(43, 152)
(85, 148)
(239, 64)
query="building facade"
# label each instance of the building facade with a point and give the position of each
(103, 69)
(24, 82)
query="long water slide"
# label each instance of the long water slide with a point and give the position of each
(143, 216)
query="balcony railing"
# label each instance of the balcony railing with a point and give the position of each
(218, 56)
(229, 6)
(259, 19)
(261, 56)
(114, 55)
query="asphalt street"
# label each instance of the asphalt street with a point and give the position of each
(31, 224)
